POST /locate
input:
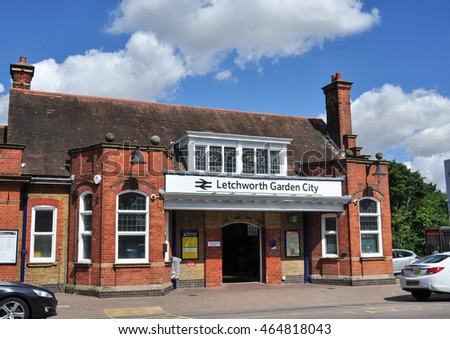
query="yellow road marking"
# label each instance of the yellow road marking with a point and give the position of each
(133, 311)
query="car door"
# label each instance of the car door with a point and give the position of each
(395, 261)
(403, 258)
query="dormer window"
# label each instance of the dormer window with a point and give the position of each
(233, 154)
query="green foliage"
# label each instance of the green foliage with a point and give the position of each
(415, 205)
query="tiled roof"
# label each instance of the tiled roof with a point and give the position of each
(50, 124)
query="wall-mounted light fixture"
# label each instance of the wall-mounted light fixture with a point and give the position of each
(137, 158)
(293, 219)
(379, 173)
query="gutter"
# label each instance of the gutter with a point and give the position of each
(51, 180)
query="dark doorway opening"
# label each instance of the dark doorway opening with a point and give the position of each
(241, 254)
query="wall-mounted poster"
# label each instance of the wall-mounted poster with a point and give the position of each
(292, 240)
(189, 245)
(8, 247)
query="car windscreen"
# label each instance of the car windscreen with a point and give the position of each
(432, 259)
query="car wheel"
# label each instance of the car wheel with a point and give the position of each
(422, 295)
(14, 308)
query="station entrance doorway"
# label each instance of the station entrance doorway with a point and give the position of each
(241, 253)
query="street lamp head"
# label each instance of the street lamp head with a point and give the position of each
(379, 171)
(137, 158)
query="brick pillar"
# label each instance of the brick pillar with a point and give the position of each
(339, 116)
(213, 258)
(272, 250)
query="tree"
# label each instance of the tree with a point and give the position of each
(415, 205)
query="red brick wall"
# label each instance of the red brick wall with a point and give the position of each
(213, 260)
(10, 160)
(352, 263)
(272, 256)
(113, 164)
(10, 219)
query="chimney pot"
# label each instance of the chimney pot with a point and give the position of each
(336, 77)
(23, 60)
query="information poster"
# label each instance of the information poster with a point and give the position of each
(8, 246)
(292, 239)
(189, 244)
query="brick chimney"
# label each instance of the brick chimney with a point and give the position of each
(339, 115)
(22, 73)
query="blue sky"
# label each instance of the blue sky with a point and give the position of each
(256, 55)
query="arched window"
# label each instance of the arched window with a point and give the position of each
(132, 227)
(370, 227)
(329, 235)
(85, 228)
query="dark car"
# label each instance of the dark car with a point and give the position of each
(23, 301)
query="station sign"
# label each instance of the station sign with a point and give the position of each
(285, 185)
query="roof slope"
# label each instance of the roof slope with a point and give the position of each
(50, 124)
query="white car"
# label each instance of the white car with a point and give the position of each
(428, 275)
(401, 258)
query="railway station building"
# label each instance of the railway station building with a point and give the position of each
(108, 197)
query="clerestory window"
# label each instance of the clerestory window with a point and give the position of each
(233, 154)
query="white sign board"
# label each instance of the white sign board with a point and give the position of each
(213, 243)
(210, 184)
(8, 246)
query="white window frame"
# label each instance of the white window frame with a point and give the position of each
(326, 233)
(135, 233)
(275, 150)
(377, 232)
(82, 232)
(52, 233)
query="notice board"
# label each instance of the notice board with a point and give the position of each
(189, 245)
(8, 246)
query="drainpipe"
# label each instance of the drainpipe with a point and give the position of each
(174, 232)
(75, 246)
(24, 232)
(306, 250)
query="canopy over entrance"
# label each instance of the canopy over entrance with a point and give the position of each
(186, 192)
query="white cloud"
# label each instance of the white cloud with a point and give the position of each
(416, 123)
(4, 102)
(145, 69)
(226, 75)
(170, 40)
(432, 168)
(206, 30)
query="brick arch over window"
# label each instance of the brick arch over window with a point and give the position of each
(364, 194)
